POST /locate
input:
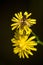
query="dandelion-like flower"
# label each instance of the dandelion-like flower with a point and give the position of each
(24, 46)
(23, 22)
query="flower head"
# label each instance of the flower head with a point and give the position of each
(23, 22)
(23, 46)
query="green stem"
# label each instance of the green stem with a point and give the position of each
(38, 41)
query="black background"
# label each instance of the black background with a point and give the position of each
(7, 10)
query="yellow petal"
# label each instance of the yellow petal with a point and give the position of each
(25, 37)
(14, 27)
(16, 15)
(16, 50)
(18, 26)
(14, 19)
(31, 38)
(13, 40)
(26, 54)
(14, 24)
(20, 15)
(29, 52)
(25, 13)
(20, 31)
(28, 15)
(27, 29)
(32, 43)
(34, 49)
(22, 55)
(33, 19)
(33, 23)
(19, 55)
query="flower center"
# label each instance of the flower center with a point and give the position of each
(22, 44)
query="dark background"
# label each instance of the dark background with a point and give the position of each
(7, 10)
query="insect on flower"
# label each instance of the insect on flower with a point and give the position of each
(23, 22)
(23, 42)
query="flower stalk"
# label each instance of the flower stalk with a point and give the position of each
(37, 39)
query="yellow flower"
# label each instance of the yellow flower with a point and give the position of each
(23, 22)
(17, 20)
(23, 46)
